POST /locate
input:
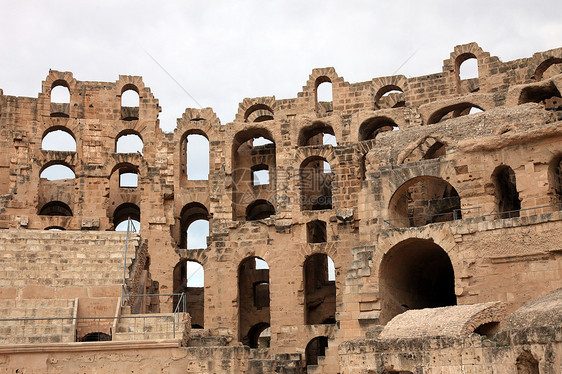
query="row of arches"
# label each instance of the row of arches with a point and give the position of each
(61, 139)
(60, 97)
(254, 294)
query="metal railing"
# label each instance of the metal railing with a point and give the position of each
(37, 329)
(517, 213)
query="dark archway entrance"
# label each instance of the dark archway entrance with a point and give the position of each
(415, 274)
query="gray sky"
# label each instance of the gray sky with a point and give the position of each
(224, 51)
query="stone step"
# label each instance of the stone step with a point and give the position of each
(38, 339)
(208, 341)
(36, 303)
(123, 336)
(35, 312)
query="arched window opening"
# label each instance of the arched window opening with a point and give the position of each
(507, 197)
(549, 96)
(424, 200)
(55, 228)
(197, 157)
(60, 93)
(55, 208)
(526, 363)
(488, 329)
(260, 175)
(197, 233)
(130, 101)
(555, 179)
(415, 274)
(189, 278)
(253, 302)
(57, 172)
(548, 69)
(58, 140)
(319, 290)
(316, 184)
(253, 173)
(468, 69)
(121, 215)
(324, 95)
(372, 127)
(314, 349)
(316, 232)
(390, 96)
(96, 337)
(259, 209)
(453, 111)
(194, 226)
(129, 143)
(317, 134)
(128, 178)
(258, 113)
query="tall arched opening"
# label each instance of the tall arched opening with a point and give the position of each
(415, 274)
(319, 290)
(253, 300)
(189, 278)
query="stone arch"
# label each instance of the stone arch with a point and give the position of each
(312, 134)
(508, 203)
(452, 111)
(545, 93)
(69, 139)
(373, 126)
(55, 208)
(258, 113)
(65, 170)
(253, 299)
(390, 96)
(544, 66)
(115, 177)
(315, 184)
(259, 209)
(257, 109)
(258, 336)
(121, 213)
(423, 200)
(185, 153)
(460, 54)
(130, 112)
(129, 136)
(315, 348)
(415, 274)
(191, 213)
(319, 290)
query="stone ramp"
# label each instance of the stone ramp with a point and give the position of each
(43, 264)
(27, 326)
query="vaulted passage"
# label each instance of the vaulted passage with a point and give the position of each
(415, 274)
(253, 302)
(316, 348)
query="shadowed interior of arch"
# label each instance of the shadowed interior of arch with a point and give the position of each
(253, 300)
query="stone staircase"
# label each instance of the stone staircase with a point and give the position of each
(59, 259)
(204, 338)
(328, 364)
(153, 326)
(36, 330)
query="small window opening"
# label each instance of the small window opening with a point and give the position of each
(57, 172)
(324, 92)
(197, 157)
(135, 226)
(55, 208)
(316, 348)
(129, 143)
(197, 234)
(96, 337)
(259, 209)
(316, 232)
(329, 139)
(58, 140)
(121, 215)
(260, 175)
(128, 180)
(60, 95)
(469, 69)
(130, 98)
(261, 295)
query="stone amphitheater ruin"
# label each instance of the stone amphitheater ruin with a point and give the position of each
(409, 225)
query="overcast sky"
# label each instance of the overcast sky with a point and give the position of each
(223, 51)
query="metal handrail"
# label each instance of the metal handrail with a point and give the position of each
(454, 212)
(508, 212)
